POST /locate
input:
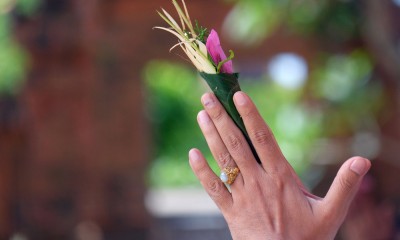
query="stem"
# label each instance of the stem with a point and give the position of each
(231, 56)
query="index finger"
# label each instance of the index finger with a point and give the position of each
(260, 134)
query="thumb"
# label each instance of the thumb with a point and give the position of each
(345, 186)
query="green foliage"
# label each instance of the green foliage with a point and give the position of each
(351, 97)
(12, 67)
(250, 22)
(13, 59)
(202, 32)
(173, 101)
(27, 7)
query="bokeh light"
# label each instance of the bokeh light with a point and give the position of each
(288, 70)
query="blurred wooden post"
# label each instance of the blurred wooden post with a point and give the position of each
(11, 144)
(5, 185)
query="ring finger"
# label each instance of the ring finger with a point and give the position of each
(216, 145)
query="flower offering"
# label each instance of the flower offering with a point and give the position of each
(204, 50)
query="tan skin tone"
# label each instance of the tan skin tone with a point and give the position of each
(267, 201)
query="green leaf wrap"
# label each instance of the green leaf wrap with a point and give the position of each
(224, 87)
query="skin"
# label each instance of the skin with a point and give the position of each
(267, 201)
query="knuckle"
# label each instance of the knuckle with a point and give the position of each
(223, 159)
(252, 182)
(234, 143)
(248, 113)
(279, 185)
(217, 114)
(346, 184)
(329, 215)
(262, 136)
(214, 188)
(279, 171)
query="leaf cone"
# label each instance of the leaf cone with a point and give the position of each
(224, 86)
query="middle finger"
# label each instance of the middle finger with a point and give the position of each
(230, 134)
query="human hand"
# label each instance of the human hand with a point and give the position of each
(267, 201)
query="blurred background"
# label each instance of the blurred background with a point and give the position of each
(97, 117)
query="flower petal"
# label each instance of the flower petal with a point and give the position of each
(217, 53)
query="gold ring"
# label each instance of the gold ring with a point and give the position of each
(229, 174)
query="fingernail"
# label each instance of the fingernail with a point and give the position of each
(359, 166)
(203, 117)
(194, 155)
(208, 101)
(240, 98)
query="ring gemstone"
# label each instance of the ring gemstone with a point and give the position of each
(224, 177)
(228, 175)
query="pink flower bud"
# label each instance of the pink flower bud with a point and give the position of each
(217, 54)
